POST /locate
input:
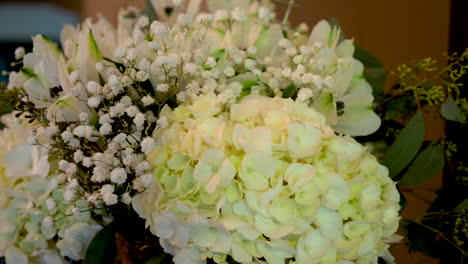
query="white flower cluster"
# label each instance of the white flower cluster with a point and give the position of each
(37, 224)
(218, 190)
(267, 180)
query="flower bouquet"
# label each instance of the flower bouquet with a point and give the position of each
(188, 136)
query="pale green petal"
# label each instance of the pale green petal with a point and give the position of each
(358, 118)
(326, 105)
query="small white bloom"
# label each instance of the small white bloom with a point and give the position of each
(298, 59)
(142, 22)
(162, 88)
(93, 198)
(147, 145)
(250, 64)
(118, 175)
(71, 169)
(120, 138)
(69, 195)
(19, 53)
(110, 199)
(94, 101)
(84, 117)
(229, 71)
(63, 165)
(51, 130)
(51, 204)
(285, 43)
(99, 67)
(304, 94)
(105, 129)
(92, 87)
(139, 120)
(162, 122)
(142, 76)
(190, 68)
(105, 118)
(126, 198)
(147, 100)
(210, 62)
(74, 76)
(48, 222)
(78, 156)
(142, 167)
(87, 162)
(146, 179)
(132, 111)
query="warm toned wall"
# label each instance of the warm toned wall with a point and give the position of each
(395, 31)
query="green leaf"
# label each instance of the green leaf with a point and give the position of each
(335, 23)
(102, 248)
(290, 91)
(96, 53)
(367, 58)
(461, 206)
(164, 258)
(400, 106)
(28, 72)
(247, 87)
(219, 54)
(406, 146)
(118, 65)
(452, 112)
(149, 11)
(420, 238)
(376, 77)
(427, 164)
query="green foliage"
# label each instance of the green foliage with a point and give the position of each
(462, 206)
(369, 60)
(427, 164)
(149, 11)
(376, 77)
(247, 87)
(406, 146)
(400, 107)
(290, 91)
(160, 259)
(420, 238)
(452, 112)
(103, 247)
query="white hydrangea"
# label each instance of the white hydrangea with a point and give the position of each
(270, 177)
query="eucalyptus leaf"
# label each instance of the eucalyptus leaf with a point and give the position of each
(369, 60)
(149, 11)
(102, 248)
(461, 206)
(376, 77)
(406, 146)
(427, 164)
(400, 106)
(451, 111)
(420, 238)
(164, 258)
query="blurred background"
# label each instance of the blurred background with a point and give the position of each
(394, 31)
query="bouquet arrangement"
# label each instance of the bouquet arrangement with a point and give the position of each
(223, 136)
